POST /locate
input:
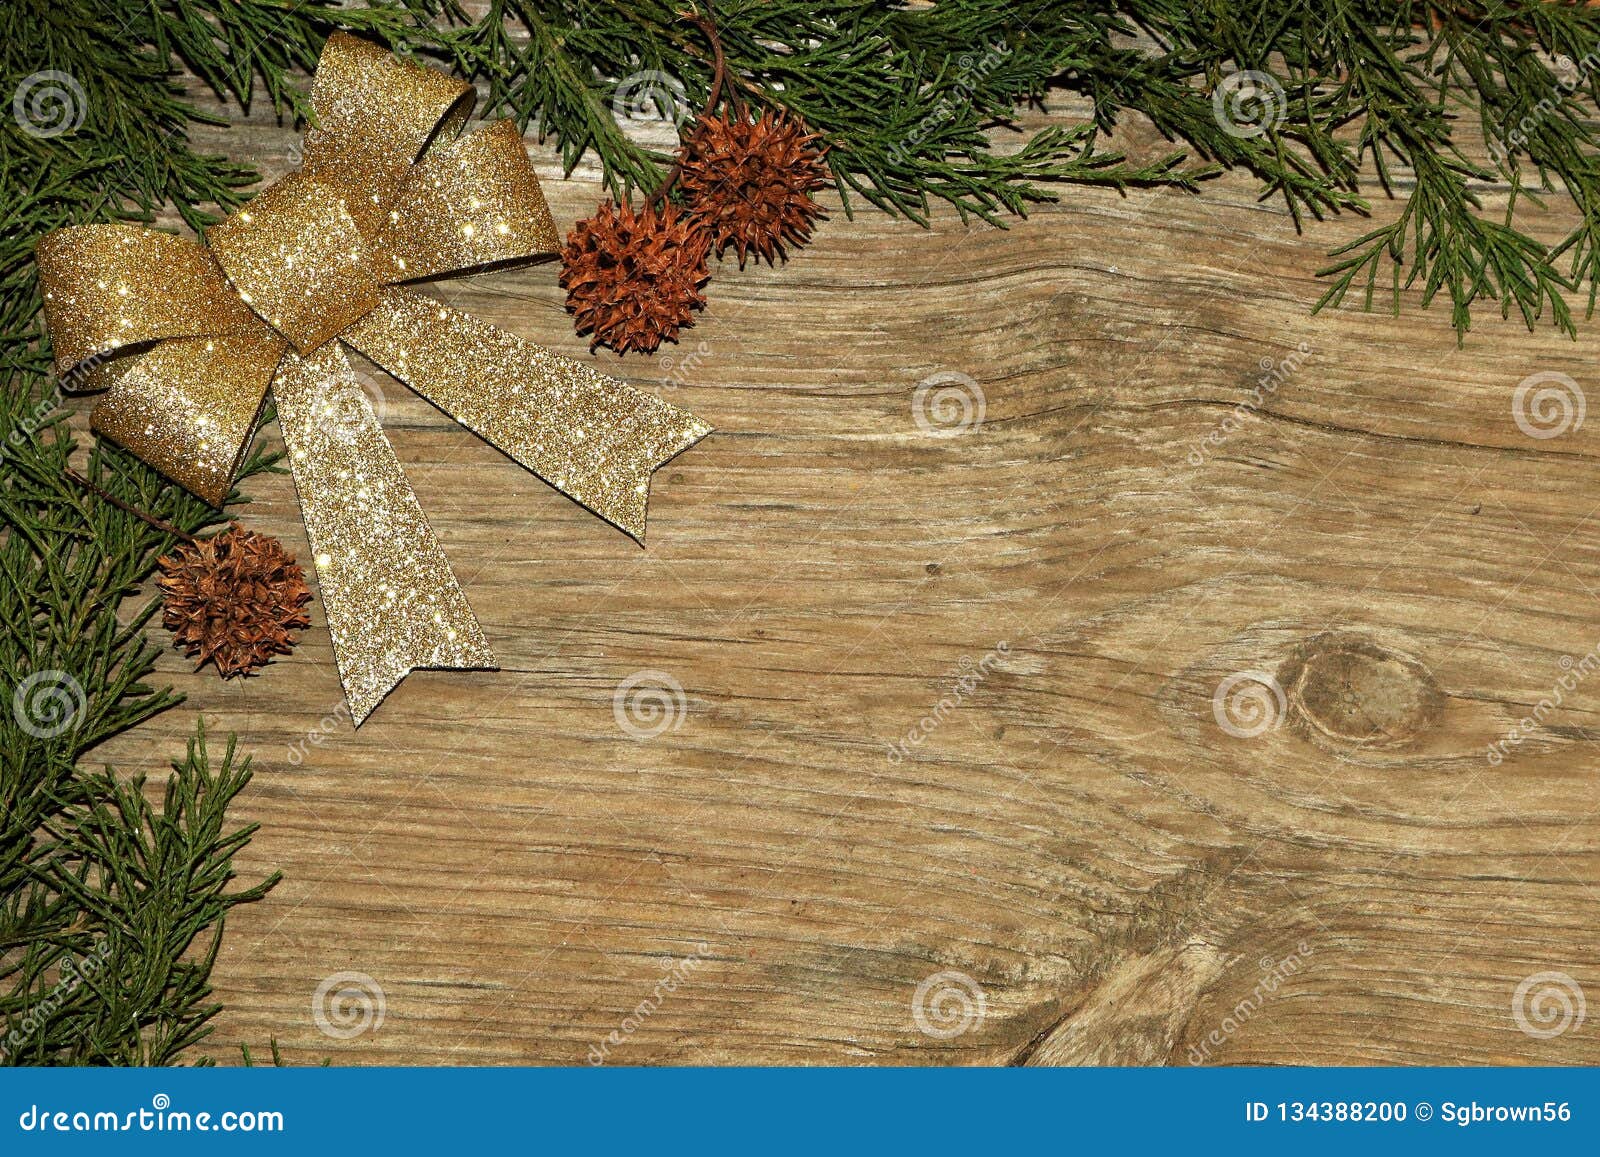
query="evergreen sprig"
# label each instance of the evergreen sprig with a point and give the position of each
(911, 99)
(148, 889)
(904, 98)
(102, 895)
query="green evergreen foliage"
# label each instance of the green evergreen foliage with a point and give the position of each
(912, 98)
(96, 882)
(111, 907)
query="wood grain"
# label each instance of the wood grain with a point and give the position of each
(1112, 876)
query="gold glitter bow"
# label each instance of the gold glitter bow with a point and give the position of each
(186, 338)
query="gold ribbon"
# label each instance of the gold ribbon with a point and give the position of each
(186, 339)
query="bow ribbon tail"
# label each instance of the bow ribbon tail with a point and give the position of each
(592, 437)
(391, 600)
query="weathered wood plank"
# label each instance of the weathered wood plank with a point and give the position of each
(1076, 835)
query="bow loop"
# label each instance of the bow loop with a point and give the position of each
(298, 260)
(111, 290)
(188, 407)
(376, 115)
(472, 202)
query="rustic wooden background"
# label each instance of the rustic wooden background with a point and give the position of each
(1079, 863)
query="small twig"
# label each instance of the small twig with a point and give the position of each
(152, 520)
(719, 76)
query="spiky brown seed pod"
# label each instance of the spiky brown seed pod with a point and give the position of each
(233, 599)
(748, 183)
(633, 279)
